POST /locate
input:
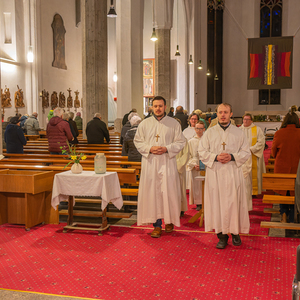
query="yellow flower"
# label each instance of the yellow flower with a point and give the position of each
(73, 157)
(83, 157)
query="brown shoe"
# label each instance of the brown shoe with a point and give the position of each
(169, 228)
(156, 233)
(283, 218)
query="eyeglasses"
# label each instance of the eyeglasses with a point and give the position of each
(247, 119)
(199, 128)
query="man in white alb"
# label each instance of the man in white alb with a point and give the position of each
(255, 165)
(159, 138)
(193, 166)
(224, 149)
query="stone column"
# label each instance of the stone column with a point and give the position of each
(129, 36)
(94, 59)
(163, 17)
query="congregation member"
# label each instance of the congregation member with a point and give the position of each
(96, 131)
(224, 149)
(171, 112)
(129, 147)
(58, 132)
(182, 117)
(14, 136)
(124, 130)
(78, 121)
(255, 165)
(32, 125)
(22, 122)
(74, 126)
(286, 151)
(149, 112)
(125, 118)
(159, 139)
(66, 117)
(193, 166)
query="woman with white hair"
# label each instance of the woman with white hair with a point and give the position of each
(129, 147)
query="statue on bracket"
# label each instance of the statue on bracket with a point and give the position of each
(19, 98)
(62, 100)
(54, 99)
(69, 99)
(59, 31)
(76, 102)
(5, 98)
(45, 100)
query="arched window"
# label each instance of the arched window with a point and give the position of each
(215, 10)
(270, 26)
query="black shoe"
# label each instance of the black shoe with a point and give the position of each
(236, 240)
(223, 238)
(199, 207)
(182, 214)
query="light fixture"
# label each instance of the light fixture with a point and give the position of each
(153, 36)
(191, 60)
(30, 55)
(115, 77)
(177, 51)
(112, 12)
(216, 77)
(207, 73)
(200, 65)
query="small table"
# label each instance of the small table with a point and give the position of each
(66, 185)
(200, 213)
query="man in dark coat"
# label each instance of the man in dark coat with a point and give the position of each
(182, 117)
(14, 136)
(96, 130)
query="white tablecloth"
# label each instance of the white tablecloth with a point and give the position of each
(88, 183)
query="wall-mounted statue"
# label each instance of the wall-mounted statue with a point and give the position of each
(62, 100)
(76, 101)
(69, 99)
(59, 31)
(54, 99)
(19, 98)
(45, 99)
(5, 98)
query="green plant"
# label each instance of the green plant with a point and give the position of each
(74, 156)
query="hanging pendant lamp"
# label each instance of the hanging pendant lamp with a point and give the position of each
(208, 73)
(112, 12)
(191, 60)
(177, 51)
(153, 36)
(200, 65)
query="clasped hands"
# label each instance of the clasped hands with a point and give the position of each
(224, 158)
(158, 150)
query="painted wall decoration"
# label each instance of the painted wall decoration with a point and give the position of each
(270, 63)
(45, 99)
(19, 98)
(58, 42)
(148, 77)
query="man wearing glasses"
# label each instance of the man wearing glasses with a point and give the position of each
(195, 194)
(254, 166)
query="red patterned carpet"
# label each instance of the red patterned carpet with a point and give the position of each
(126, 263)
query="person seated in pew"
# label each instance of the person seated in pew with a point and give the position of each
(58, 132)
(14, 136)
(96, 131)
(129, 147)
(286, 151)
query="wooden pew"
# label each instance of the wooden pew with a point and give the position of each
(87, 152)
(48, 155)
(283, 182)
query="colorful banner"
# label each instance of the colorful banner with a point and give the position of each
(270, 63)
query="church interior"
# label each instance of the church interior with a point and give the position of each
(108, 57)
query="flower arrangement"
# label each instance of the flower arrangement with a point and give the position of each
(74, 156)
